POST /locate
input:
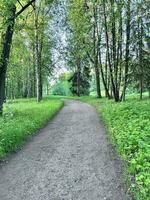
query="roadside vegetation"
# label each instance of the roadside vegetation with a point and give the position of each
(129, 127)
(22, 118)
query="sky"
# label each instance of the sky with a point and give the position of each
(58, 34)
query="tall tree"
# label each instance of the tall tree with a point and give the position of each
(128, 27)
(11, 14)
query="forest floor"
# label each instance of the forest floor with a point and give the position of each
(70, 159)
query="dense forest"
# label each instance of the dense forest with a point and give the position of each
(80, 48)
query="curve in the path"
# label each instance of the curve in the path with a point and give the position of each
(70, 159)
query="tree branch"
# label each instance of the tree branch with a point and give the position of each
(24, 7)
(91, 59)
(20, 3)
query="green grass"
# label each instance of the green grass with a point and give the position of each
(129, 127)
(23, 118)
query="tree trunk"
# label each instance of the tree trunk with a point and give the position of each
(119, 50)
(128, 26)
(141, 88)
(47, 87)
(97, 70)
(97, 74)
(30, 81)
(78, 76)
(2, 91)
(104, 79)
(38, 58)
(39, 85)
(113, 31)
(108, 54)
(34, 71)
(141, 57)
(5, 54)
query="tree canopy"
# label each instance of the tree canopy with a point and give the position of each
(104, 40)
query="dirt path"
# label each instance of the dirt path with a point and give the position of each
(70, 159)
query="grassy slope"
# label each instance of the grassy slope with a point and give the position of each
(22, 118)
(129, 126)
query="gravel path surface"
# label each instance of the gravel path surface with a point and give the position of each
(70, 159)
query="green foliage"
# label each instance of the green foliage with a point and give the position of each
(84, 82)
(21, 71)
(129, 126)
(79, 44)
(22, 118)
(62, 87)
